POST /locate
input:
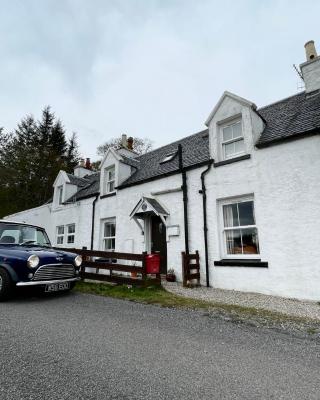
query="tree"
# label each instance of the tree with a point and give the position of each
(140, 145)
(30, 159)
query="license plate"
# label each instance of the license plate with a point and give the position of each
(56, 287)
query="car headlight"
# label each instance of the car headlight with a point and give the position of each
(78, 261)
(33, 261)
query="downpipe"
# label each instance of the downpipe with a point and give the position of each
(203, 191)
(184, 188)
(93, 218)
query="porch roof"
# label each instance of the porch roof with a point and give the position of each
(148, 205)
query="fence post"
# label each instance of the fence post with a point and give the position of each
(83, 268)
(144, 266)
(184, 272)
(198, 266)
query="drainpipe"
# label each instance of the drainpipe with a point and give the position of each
(203, 191)
(184, 188)
(92, 223)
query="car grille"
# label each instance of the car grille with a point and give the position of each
(54, 271)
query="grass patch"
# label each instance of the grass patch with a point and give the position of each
(159, 296)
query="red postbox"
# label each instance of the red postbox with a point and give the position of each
(153, 263)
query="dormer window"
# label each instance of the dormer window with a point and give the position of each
(168, 157)
(110, 178)
(232, 140)
(60, 195)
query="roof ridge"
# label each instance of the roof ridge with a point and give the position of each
(280, 101)
(176, 141)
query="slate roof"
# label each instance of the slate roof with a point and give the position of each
(290, 117)
(286, 119)
(156, 205)
(92, 188)
(195, 150)
(74, 180)
(133, 162)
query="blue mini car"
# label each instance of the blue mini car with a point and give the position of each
(27, 259)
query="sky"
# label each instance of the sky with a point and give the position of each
(146, 68)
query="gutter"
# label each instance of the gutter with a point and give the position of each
(184, 188)
(92, 222)
(203, 191)
(164, 175)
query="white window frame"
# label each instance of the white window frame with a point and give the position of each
(223, 142)
(107, 181)
(60, 235)
(110, 221)
(223, 229)
(70, 234)
(60, 195)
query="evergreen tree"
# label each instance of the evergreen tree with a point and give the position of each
(72, 153)
(30, 159)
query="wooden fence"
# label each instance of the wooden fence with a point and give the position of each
(190, 268)
(108, 260)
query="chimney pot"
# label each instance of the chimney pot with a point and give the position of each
(311, 52)
(124, 141)
(88, 163)
(81, 162)
(130, 143)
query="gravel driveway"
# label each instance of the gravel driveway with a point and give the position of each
(291, 307)
(80, 346)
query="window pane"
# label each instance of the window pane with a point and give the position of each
(246, 213)
(237, 130)
(113, 229)
(109, 244)
(230, 215)
(233, 241)
(60, 240)
(60, 230)
(110, 174)
(227, 133)
(239, 146)
(70, 238)
(71, 228)
(60, 191)
(228, 149)
(250, 241)
(111, 186)
(109, 229)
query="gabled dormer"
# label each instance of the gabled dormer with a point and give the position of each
(60, 189)
(234, 127)
(115, 168)
(65, 186)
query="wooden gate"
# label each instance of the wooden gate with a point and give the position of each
(96, 261)
(190, 268)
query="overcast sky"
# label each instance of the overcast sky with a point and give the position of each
(148, 68)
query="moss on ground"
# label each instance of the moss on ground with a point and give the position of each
(159, 296)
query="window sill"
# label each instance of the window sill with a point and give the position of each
(108, 195)
(256, 263)
(232, 160)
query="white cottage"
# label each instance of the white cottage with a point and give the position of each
(244, 192)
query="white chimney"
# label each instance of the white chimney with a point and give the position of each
(80, 170)
(311, 68)
(124, 142)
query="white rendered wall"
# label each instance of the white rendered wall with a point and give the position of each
(40, 216)
(80, 214)
(284, 180)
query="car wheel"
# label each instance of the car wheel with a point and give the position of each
(72, 285)
(5, 285)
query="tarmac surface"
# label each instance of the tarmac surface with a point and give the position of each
(79, 346)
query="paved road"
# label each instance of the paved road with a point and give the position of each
(80, 346)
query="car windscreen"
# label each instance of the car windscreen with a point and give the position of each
(23, 235)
